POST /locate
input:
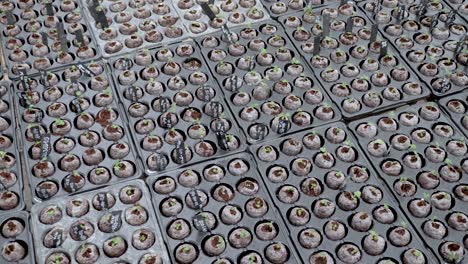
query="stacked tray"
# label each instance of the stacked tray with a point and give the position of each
(361, 73)
(176, 113)
(230, 13)
(432, 43)
(120, 27)
(15, 239)
(42, 35)
(457, 108)
(335, 207)
(460, 5)
(11, 181)
(284, 7)
(73, 134)
(420, 154)
(110, 225)
(219, 212)
(268, 88)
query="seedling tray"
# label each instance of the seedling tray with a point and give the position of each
(134, 25)
(36, 42)
(361, 72)
(170, 98)
(18, 235)
(11, 180)
(208, 192)
(349, 204)
(77, 225)
(436, 50)
(269, 89)
(230, 13)
(73, 134)
(420, 154)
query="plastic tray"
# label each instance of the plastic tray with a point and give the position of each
(15, 188)
(69, 246)
(407, 182)
(204, 93)
(149, 20)
(193, 14)
(285, 7)
(314, 189)
(23, 238)
(353, 89)
(41, 122)
(436, 50)
(460, 6)
(231, 179)
(279, 122)
(71, 19)
(456, 107)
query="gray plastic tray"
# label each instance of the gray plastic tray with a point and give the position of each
(349, 90)
(69, 246)
(46, 121)
(222, 12)
(23, 238)
(69, 18)
(411, 176)
(15, 187)
(457, 108)
(459, 5)
(230, 180)
(313, 192)
(128, 10)
(446, 45)
(283, 122)
(284, 7)
(135, 93)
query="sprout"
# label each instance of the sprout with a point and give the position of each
(295, 61)
(357, 194)
(186, 249)
(220, 243)
(375, 235)
(416, 252)
(243, 233)
(230, 138)
(453, 256)
(379, 141)
(59, 122)
(313, 184)
(108, 91)
(50, 212)
(115, 241)
(117, 165)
